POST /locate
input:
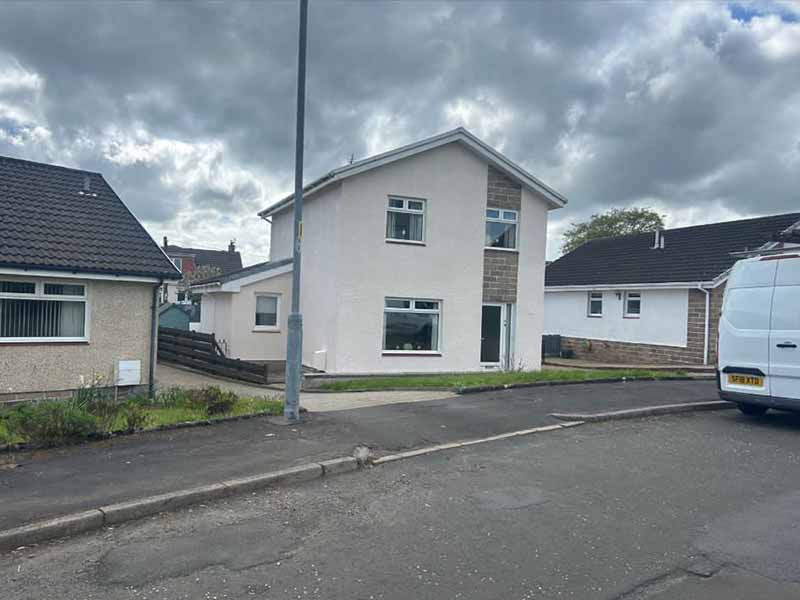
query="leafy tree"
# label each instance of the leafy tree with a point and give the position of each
(613, 222)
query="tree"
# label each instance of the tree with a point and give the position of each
(613, 222)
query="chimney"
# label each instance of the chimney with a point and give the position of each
(232, 246)
(87, 184)
(165, 243)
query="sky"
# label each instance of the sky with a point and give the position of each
(691, 108)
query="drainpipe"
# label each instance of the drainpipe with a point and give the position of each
(708, 322)
(151, 382)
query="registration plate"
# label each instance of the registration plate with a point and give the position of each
(751, 380)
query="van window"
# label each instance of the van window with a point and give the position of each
(786, 308)
(788, 271)
(756, 273)
(748, 308)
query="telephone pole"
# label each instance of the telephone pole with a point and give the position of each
(294, 349)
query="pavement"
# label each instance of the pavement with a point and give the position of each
(704, 506)
(168, 376)
(52, 483)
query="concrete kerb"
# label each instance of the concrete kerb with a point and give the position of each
(556, 382)
(650, 411)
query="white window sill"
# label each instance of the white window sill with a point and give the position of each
(594, 316)
(411, 353)
(44, 340)
(266, 329)
(409, 242)
(500, 249)
(630, 316)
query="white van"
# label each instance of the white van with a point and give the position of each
(759, 334)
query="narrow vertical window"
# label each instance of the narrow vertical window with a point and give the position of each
(501, 228)
(595, 304)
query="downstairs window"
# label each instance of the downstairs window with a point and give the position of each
(42, 311)
(411, 325)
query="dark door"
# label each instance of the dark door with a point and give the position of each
(491, 321)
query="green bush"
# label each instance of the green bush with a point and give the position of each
(210, 400)
(216, 401)
(134, 414)
(51, 422)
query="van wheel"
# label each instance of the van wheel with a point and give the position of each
(753, 410)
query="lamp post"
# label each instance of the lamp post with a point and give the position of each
(294, 349)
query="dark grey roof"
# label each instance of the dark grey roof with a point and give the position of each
(691, 254)
(47, 223)
(246, 272)
(224, 260)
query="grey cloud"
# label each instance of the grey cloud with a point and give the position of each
(613, 104)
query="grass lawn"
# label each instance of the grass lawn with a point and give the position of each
(479, 379)
(169, 415)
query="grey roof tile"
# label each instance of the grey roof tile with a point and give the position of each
(691, 254)
(47, 223)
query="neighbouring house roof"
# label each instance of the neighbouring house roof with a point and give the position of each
(691, 254)
(264, 268)
(460, 135)
(225, 260)
(59, 219)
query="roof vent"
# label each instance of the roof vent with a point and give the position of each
(232, 246)
(87, 187)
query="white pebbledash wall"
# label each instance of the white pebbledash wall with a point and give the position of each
(349, 269)
(662, 321)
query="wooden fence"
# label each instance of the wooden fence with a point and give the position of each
(202, 352)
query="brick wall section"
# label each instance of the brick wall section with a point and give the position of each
(503, 192)
(500, 276)
(692, 354)
(500, 267)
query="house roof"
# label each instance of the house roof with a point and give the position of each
(256, 269)
(48, 221)
(224, 260)
(690, 254)
(460, 135)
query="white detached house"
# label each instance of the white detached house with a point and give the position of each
(426, 258)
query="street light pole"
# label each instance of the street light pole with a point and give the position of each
(294, 349)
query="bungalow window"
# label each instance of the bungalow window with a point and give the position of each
(633, 304)
(595, 304)
(42, 311)
(501, 228)
(411, 325)
(267, 306)
(405, 220)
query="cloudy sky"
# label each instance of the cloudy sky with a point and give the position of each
(187, 108)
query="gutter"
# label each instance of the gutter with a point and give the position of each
(151, 381)
(707, 323)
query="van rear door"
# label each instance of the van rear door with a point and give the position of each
(784, 348)
(744, 334)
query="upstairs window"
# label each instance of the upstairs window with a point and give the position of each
(595, 304)
(501, 228)
(633, 304)
(405, 220)
(42, 311)
(178, 262)
(411, 325)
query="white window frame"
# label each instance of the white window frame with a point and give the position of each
(39, 294)
(268, 328)
(405, 200)
(412, 309)
(626, 313)
(178, 262)
(501, 218)
(589, 298)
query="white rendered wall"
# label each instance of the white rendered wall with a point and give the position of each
(663, 319)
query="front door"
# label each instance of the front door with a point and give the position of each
(495, 337)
